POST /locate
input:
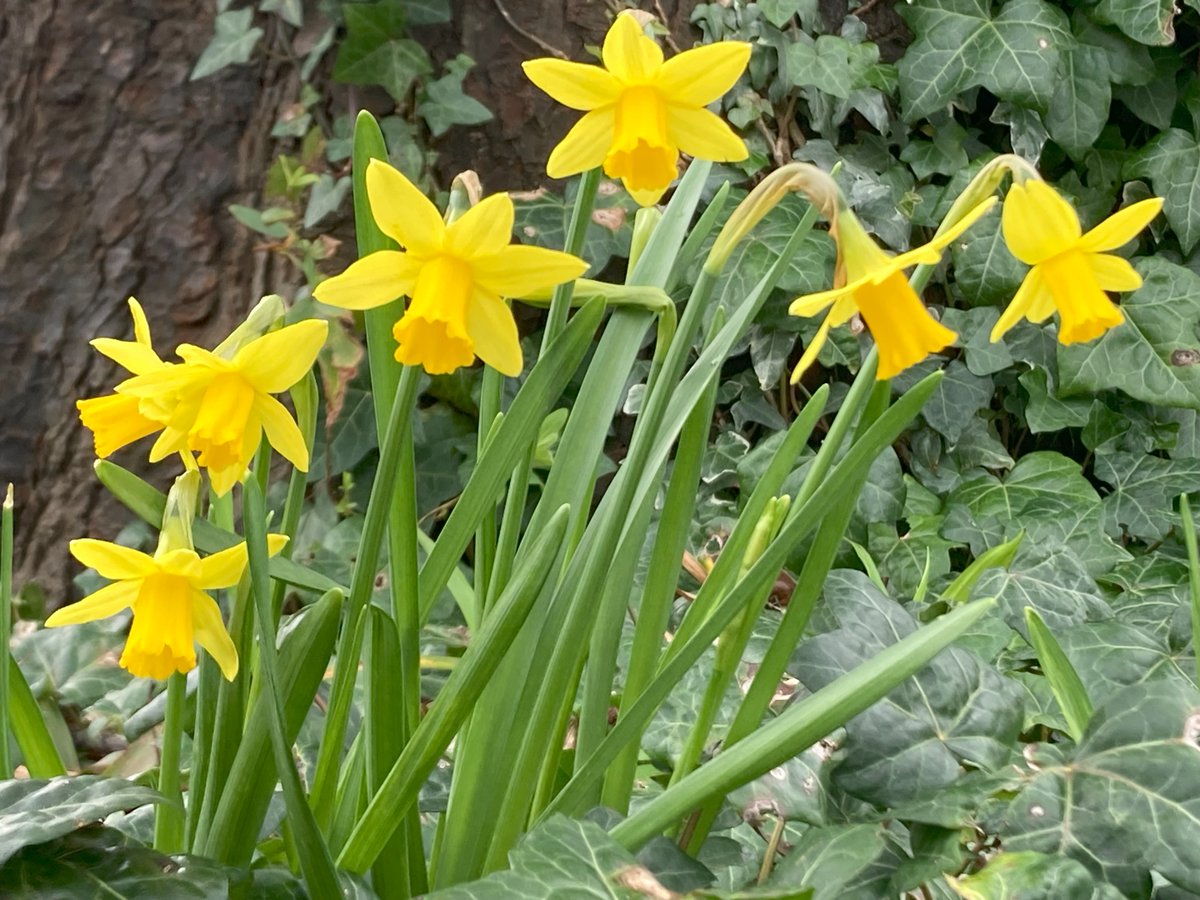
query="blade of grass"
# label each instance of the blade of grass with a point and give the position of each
(6, 566)
(1064, 681)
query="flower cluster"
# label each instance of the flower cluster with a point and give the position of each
(641, 112)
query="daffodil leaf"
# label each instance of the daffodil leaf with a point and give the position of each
(1146, 21)
(35, 811)
(1149, 356)
(1013, 52)
(1127, 801)
(1172, 163)
(234, 39)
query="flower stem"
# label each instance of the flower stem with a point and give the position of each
(168, 817)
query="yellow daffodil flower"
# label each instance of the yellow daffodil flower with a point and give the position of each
(875, 286)
(116, 419)
(455, 274)
(171, 612)
(1070, 270)
(640, 112)
(219, 408)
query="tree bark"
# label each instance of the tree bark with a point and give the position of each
(115, 175)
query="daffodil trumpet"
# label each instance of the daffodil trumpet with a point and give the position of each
(872, 284)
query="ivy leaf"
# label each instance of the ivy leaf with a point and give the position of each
(1172, 163)
(234, 39)
(984, 269)
(1053, 581)
(1144, 487)
(1078, 110)
(1128, 800)
(957, 398)
(1110, 656)
(562, 857)
(375, 50)
(1142, 357)
(840, 861)
(831, 64)
(291, 11)
(956, 710)
(445, 105)
(1033, 876)
(961, 44)
(1046, 411)
(1146, 21)
(35, 811)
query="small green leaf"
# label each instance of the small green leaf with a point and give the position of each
(1078, 110)
(1032, 876)
(234, 39)
(445, 104)
(375, 50)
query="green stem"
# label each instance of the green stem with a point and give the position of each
(581, 217)
(168, 817)
(362, 583)
(6, 556)
(315, 860)
(1189, 539)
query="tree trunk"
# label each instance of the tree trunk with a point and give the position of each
(115, 175)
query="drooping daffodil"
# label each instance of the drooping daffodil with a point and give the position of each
(456, 276)
(171, 611)
(641, 112)
(1070, 270)
(874, 285)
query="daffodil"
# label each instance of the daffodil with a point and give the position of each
(1070, 270)
(455, 274)
(875, 287)
(171, 611)
(219, 408)
(116, 419)
(640, 112)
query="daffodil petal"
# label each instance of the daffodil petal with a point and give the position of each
(401, 211)
(278, 359)
(141, 327)
(108, 601)
(129, 355)
(492, 328)
(699, 76)
(114, 421)
(1113, 273)
(1037, 222)
(484, 229)
(929, 253)
(210, 633)
(628, 53)
(704, 135)
(1033, 291)
(376, 279)
(223, 569)
(644, 196)
(811, 304)
(575, 85)
(585, 146)
(811, 351)
(1121, 227)
(112, 561)
(282, 431)
(519, 270)
(223, 480)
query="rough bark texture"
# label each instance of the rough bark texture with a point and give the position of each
(115, 174)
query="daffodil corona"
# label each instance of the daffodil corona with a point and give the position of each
(641, 112)
(1070, 270)
(875, 286)
(456, 275)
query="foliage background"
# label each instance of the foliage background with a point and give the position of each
(1080, 451)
